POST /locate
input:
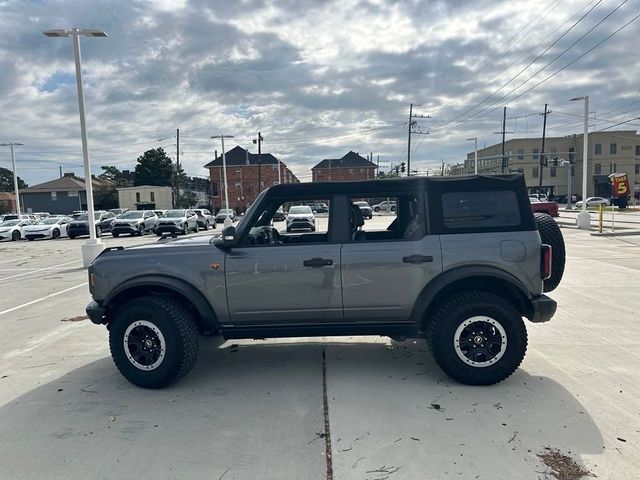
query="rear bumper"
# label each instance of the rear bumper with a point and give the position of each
(96, 312)
(543, 309)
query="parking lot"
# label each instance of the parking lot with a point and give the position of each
(259, 409)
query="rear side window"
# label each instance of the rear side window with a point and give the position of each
(484, 209)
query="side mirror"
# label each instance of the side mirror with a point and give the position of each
(229, 236)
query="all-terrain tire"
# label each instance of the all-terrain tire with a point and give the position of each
(458, 309)
(551, 234)
(178, 328)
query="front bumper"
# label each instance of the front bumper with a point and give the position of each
(168, 227)
(543, 308)
(37, 235)
(78, 231)
(124, 229)
(96, 312)
(302, 223)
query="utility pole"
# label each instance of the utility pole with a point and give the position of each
(442, 174)
(227, 219)
(177, 181)
(542, 156)
(413, 123)
(259, 142)
(503, 132)
(15, 175)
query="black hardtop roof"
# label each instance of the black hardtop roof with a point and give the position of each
(402, 184)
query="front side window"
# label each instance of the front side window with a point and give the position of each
(462, 210)
(288, 222)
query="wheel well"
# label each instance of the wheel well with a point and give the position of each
(495, 285)
(206, 326)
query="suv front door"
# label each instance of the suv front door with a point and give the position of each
(284, 283)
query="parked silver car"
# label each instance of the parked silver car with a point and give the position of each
(177, 221)
(134, 222)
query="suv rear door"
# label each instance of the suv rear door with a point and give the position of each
(384, 269)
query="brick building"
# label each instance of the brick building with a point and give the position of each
(7, 202)
(242, 177)
(349, 168)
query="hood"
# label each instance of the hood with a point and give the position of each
(33, 228)
(300, 215)
(171, 219)
(5, 229)
(199, 240)
(79, 223)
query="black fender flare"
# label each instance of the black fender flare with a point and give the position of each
(208, 319)
(439, 284)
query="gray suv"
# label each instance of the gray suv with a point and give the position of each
(460, 264)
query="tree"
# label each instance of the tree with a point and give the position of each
(154, 168)
(105, 197)
(6, 181)
(116, 177)
(187, 199)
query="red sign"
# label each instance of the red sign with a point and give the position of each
(619, 185)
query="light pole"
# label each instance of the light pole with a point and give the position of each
(92, 248)
(475, 142)
(584, 219)
(227, 219)
(15, 175)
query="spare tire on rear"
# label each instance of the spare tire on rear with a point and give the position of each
(551, 235)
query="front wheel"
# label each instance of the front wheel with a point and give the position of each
(376, 209)
(15, 236)
(153, 341)
(55, 234)
(184, 228)
(98, 231)
(477, 338)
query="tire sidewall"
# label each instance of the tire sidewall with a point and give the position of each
(513, 326)
(170, 366)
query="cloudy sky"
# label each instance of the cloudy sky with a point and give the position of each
(317, 78)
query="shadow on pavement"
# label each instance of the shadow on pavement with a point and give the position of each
(255, 411)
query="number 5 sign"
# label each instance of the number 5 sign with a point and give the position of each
(619, 185)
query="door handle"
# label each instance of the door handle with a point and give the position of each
(415, 259)
(317, 262)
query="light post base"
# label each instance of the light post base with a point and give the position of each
(584, 220)
(227, 222)
(91, 250)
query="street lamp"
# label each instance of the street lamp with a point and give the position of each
(15, 175)
(584, 219)
(475, 141)
(227, 218)
(92, 248)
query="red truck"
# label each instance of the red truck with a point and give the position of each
(541, 206)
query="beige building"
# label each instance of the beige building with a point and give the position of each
(145, 197)
(609, 152)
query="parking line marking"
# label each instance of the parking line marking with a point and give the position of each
(19, 259)
(13, 309)
(38, 270)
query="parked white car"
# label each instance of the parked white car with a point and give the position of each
(386, 206)
(51, 227)
(594, 201)
(301, 217)
(13, 229)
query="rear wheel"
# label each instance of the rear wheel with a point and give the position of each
(15, 236)
(477, 338)
(376, 209)
(551, 234)
(115, 234)
(98, 231)
(153, 341)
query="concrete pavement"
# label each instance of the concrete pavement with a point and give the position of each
(256, 409)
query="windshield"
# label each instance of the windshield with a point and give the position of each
(50, 221)
(362, 204)
(134, 214)
(300, 209)
(225, 211)
(534, 200)
(10, 223)
(175, 213)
